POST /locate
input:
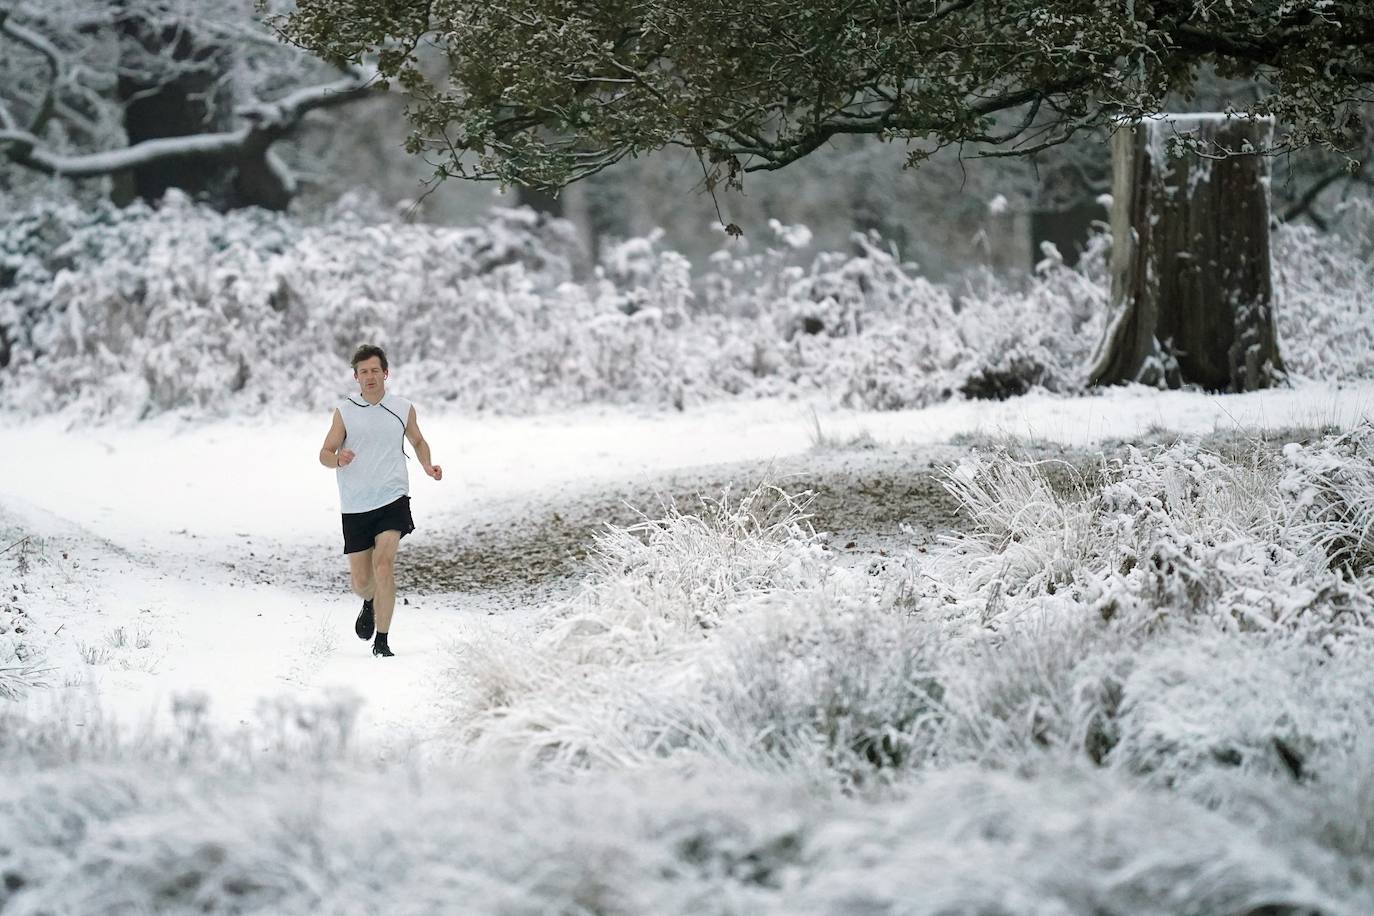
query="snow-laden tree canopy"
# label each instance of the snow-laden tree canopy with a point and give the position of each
(91, 88)
(544, 92)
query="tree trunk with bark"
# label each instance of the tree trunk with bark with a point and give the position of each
(1192, 295)
(190, 97)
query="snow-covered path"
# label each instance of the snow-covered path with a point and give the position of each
(204, 556)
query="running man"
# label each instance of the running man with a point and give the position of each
(365, 445)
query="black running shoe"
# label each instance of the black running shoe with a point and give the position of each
(364, 624)
(382, 649)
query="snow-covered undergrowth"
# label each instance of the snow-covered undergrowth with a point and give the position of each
(1141, 688)
(95, 821)
(1322, 282)
(138, 311)
(737, 631)
(1192, 624)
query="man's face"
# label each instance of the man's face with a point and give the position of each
(370, 375)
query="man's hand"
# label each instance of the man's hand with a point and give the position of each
(433, 470)
(345, 456)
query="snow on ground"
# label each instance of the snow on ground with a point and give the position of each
(180, 556)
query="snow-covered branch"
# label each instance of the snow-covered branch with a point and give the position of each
(267, 122)
(287, 111)
(51, 54)
(25, 149)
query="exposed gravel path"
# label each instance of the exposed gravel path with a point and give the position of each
(863, 497)
(868, 498)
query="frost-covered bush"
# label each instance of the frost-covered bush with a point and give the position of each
(733, 635)
(1324, 294)
(832, 680)
(142, 310)
(1056, 627)
(1041, 334)
(1033, 681)
(138, 311)
(134, 827)
(638, 274)
(624, 650)
(1329, 493)
(807, 678)
(871, 329)
(1179, 531)
(701, 562)
(1193, 705)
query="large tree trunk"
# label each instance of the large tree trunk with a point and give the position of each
(1192, 296)
(189, 94)
(188, 97)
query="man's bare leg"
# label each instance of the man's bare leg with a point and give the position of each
(384, 577)
(364, 586)
(360, 571)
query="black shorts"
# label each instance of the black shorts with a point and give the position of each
(360, 529)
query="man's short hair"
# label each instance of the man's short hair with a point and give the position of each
(367, 351)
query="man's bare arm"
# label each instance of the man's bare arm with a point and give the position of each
(417, 441)
(332, 453)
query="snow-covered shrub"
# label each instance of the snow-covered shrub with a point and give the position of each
(835, 681)
(1176, 615)
(741, 282)
(1028, 533)
(1040, 334)
(823, 677)
(1324, 300)
(638, 274)
(861, 327)
(138, 827)
(744, 640)
(731, 635)
(138, 311)
(1197, 703)
(1173, 530)
(700, 563)
(623, 651)
(868, 326)
(142, 310)
(1329, 492)
(888, 337)
(1034, 681)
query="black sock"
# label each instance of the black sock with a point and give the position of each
(381, 640)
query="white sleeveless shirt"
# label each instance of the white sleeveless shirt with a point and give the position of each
(375, 433)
